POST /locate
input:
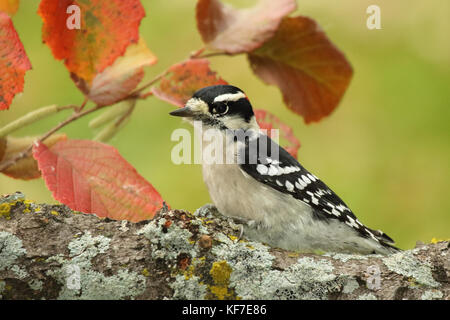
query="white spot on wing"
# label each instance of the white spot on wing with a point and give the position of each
(272, 171)
(335, 212)
(302, 183)
(313, 198)
(262, 169)
(306, 179)
(289, 186)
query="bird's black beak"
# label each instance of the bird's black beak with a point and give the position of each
(183, 112)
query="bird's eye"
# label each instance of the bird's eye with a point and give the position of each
(220, 108)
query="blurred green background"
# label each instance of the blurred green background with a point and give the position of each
(385, 150)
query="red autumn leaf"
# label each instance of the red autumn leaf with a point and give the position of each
(235, 31)
(92, 177)
(13, 62)
(310, 71)
(120, 78)
(268, 121)
(9, 6)
(183, 79)
(106, 30)
(26, 168)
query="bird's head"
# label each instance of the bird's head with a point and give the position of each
(221, 107)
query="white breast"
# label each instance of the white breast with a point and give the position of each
(240, 196)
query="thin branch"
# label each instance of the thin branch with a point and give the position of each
(145, 95)
(27, 152)
(32, 117)
(136, 93)
(211, 54)
(86, 99)
(197, 53)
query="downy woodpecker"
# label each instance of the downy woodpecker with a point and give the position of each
(269, 191)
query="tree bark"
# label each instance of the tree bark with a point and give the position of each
(50, 252)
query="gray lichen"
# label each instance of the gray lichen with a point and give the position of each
(253, 277)
(80, 281)
(307, 279)
(18, 196)
(367, 296)
(205, 211)
(83, 249)
(168, 242)
(35, 284)
(350, 286)
(201, 228)
(431, 295)
(188, 288)
(11, 250)
(406, 264)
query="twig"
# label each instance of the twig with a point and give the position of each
(27, 152)
(136, 93)
(86, 99)
(211, 54)
(197, 53)
(32, 117)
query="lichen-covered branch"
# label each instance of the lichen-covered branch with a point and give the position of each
(48, 251)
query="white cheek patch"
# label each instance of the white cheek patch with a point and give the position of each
(230, 97)
(197, 105)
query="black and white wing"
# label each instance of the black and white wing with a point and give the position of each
(284, 173)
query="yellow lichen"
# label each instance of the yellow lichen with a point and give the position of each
(55, 213)
(27, 204)
(412, 282)
(233, 238)
(38, 209)
(189, 272)
(435, 240)
(5, 210)
(145, 272)
(220, 273)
